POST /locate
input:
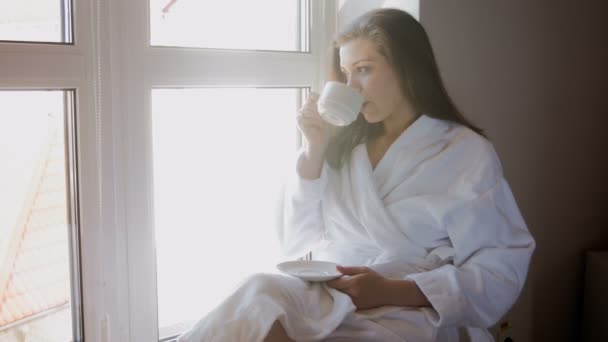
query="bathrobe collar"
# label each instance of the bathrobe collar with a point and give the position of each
(372, 211)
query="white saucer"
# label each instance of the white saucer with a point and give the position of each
(310, 270)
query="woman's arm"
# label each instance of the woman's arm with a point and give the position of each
(368, 289)
(301, 220)
(404, 293)
(492, 252)
(300, 224)
(310, 163)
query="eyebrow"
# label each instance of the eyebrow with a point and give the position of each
(359, 61)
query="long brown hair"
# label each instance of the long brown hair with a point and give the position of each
(402, 40)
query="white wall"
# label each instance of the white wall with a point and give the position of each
(533, 75)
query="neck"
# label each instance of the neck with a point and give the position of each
(399, 121)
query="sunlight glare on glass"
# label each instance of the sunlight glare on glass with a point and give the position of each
(220, 157)
(34, 20)
(35, 294)
(226, 24)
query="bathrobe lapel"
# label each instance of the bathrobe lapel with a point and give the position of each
(369, 187)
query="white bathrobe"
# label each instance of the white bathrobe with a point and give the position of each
(436, 210)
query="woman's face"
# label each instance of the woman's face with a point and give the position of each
(368, 72)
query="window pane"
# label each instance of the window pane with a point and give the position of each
(36, 20)
(229, 24)
(35, 291)
(219, 159)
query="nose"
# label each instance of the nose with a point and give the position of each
(354, 83)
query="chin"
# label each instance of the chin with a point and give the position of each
(372, 117)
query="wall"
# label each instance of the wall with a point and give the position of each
(533, 74)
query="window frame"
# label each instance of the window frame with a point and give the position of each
(147, 67)
(70, 67)
(111, 70)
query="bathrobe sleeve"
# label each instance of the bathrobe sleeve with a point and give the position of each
(301, 219)
(492, 251)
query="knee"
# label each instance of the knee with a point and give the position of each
(263, 284)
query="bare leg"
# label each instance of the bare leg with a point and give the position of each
(277, 334)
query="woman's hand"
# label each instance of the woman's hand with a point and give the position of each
(368, 289)
(364, 286)
(317, 133)
(316, 130)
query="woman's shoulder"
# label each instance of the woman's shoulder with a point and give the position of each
(462, 137)
(472, 156)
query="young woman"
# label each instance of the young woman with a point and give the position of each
(409, 199)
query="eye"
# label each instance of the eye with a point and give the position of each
(362, 69)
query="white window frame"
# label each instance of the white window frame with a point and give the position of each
(142, 68)
(40, 66)
(112, 69)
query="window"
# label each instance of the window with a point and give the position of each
(40, 221)
(230, 24)
(151, 113)
(211, 131)
(219, 161)
(39, 300)
(36, 21)
(49, 222)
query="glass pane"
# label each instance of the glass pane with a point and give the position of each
(229, 24)
(36, 20)
(219, 159)
(35, 296)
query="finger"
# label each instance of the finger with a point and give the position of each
(312, 106)
(339, 284)
(313, 96)
(310, 112)
(309, 121)
(310, 102)
(353, 270)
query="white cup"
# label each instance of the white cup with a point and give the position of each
(339, 104)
